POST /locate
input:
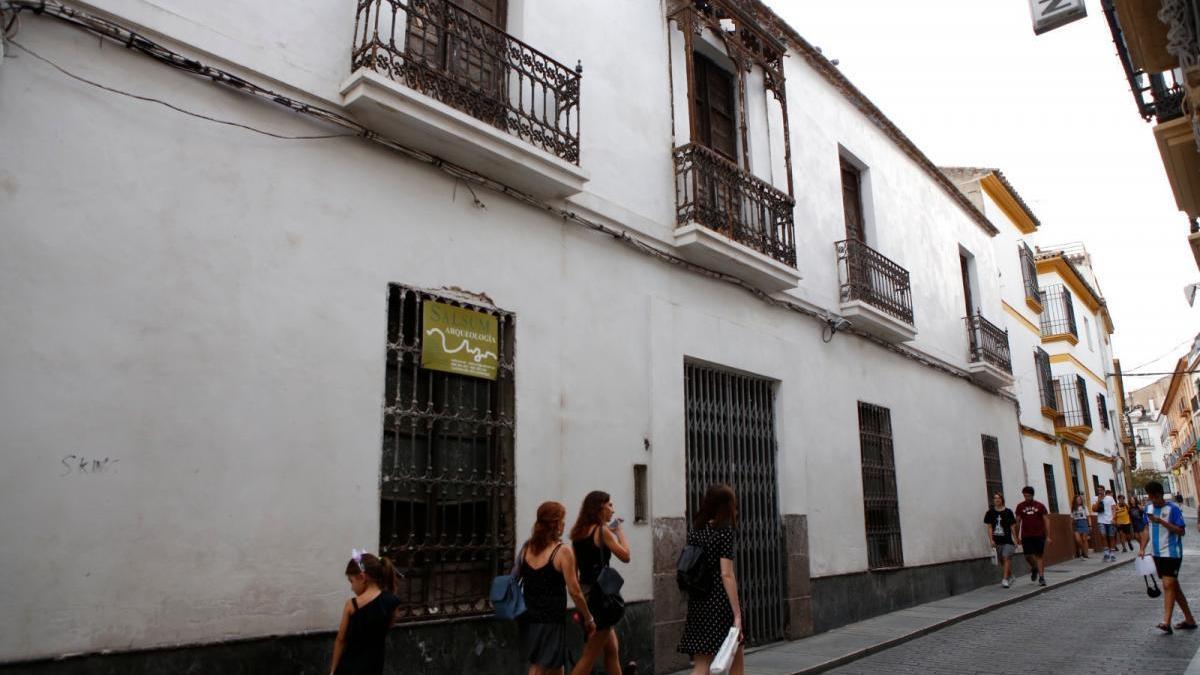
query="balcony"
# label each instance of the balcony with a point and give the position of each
(434, 77)
(1033, 292)
(732, 221)
(876, 294)
(1058, 315)
(1074, 419)
(990, 361)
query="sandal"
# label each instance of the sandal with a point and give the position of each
(1185, 625)
(1165, 628)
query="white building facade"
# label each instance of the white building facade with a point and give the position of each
(707, 258)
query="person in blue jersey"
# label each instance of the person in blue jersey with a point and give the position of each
(1163, 535)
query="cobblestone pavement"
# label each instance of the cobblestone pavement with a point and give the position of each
(1102, 625)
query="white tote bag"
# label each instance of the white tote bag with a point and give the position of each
(724, 657)
(1145, 567)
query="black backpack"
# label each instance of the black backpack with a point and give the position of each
(693, 572)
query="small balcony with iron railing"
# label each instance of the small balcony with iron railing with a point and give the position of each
(1058, 315)
(1074, 420)
(434, 77)
(876, 291)
(729, 219)
(989, 360)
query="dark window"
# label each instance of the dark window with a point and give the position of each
(964, 262)
(641, 506)
(445, 38)
(991, 467)
(1102, 408)
(1029, 273)
(1051, 488)
(880, 500)
(1041, 361)
(1112, 486)
(1095, 484)
(1076, 483)
(446, 515)
(714, 106)
(1058, 313)
(852, 206)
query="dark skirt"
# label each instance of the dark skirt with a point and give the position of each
(544, 644)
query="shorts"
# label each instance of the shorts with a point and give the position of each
(1033, 545)
(1108, 529)
(1004, 551)
(1125, 529)
(1138, 527)
(1167, 567)
(1081, 526)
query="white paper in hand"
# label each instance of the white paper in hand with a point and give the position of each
(724, 658)
(1144, 567)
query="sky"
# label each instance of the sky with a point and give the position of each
(971, 85)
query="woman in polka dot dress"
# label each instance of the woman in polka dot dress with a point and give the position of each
(709, 619)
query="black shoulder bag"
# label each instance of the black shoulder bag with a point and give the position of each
(604, 600)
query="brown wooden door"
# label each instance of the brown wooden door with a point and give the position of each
(852, 202)
(715, 108)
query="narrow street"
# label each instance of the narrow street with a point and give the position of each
(1105, 624)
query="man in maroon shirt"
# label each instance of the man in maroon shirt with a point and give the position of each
(1033, 531)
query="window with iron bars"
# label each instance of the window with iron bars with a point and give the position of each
(1029, 273)
(1072, 402)
(1058, 313)
(880, 499)
(1041, 361)
(1102, 408)
(446, 489)
(1051, 488)
(992, 476)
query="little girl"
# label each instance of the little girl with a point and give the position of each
(361, 639)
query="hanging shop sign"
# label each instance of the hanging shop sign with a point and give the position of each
(1051, 14)
(460, 341)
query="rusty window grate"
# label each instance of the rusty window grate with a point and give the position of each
(1041, 361)
(448, 53)
(731, 439)
(1051, 488)
(641, 501)
(446, 489)
(880, 500)
(992, 475)
(1058, 312)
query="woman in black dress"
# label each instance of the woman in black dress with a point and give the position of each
(547, 575)
(709, 619)
(595, 543)
(362, 636)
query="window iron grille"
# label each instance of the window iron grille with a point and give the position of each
(993, 478)
(880, 500)
(1029, 273)
(989, 343)
(871, 277)
(1072, 404)
(446, 489)
(1058, 312)
(1041, 361)
(641, 501)
(1102, 409)
(448, 53)
(1051, 488)
(730, 424)
(714, 192)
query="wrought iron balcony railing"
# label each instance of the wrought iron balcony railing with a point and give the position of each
(716, 193)
(1158, 95)
(1058, 314)
(449, 54)
(989, 343)
(1041, 361)
(871, 277)
(1073, 408)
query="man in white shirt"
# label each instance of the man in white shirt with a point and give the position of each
(1105, 507)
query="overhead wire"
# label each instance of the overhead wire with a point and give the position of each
(131, 40)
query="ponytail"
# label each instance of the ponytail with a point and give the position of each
(378, 569)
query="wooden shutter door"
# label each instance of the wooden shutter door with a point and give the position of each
(852, 203)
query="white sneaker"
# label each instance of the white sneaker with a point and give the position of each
(1005, 583)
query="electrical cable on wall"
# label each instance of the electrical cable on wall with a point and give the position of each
(131, 40)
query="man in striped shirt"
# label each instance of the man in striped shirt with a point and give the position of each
(1164, 537)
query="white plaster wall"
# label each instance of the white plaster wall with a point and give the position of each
(205, 308)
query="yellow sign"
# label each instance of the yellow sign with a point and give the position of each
(460, 341)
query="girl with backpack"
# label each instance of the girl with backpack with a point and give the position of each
(548, 574)
(362, 636)
(710, 617)
(595, 542)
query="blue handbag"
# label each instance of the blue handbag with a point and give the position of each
(507, 595)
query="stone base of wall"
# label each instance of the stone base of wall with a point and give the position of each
(449, 648)
(847, 598)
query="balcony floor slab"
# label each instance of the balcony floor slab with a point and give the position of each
(877, 322)
(703, 246)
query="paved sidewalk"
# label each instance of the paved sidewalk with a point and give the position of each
(843, 645)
